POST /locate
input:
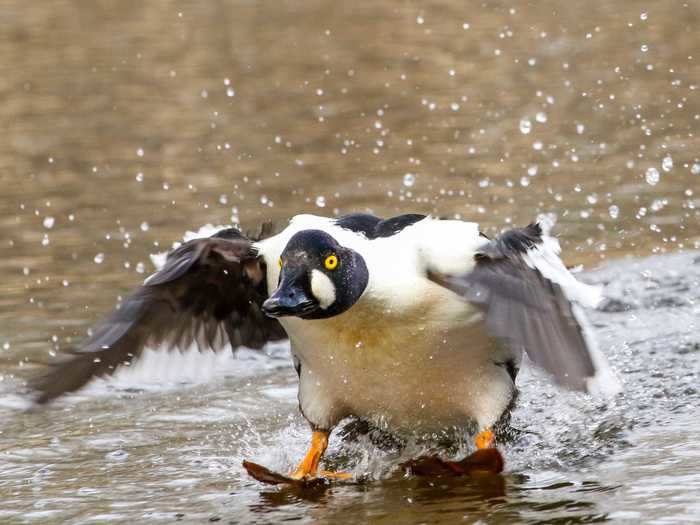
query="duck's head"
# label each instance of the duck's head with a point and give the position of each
(319, 278)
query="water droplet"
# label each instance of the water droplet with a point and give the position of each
(580, 128)
(140, 267)
(409, 180)
(695, 169)
(592, 198)
(144, 226)
(99, 258)
(230, 92)
(667, 163)
(117, 455)
(419, 20)
(139, 177)
(263, 199)
(45, 240)
(644, 48)
(454, 106)
(321, 201)
(537, 145)
(139, 152)
(541, 117)
(643, 16)
(525, 126)
(658, 204)
(49, 222)
(652, 176)
(524, 181)
(532, 170)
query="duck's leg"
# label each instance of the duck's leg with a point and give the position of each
(307, 472)
(308, 468)
(485, 439)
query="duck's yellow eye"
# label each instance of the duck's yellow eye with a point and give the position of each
(331, 262)
(279, 262)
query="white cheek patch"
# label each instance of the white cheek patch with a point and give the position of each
(322, 288)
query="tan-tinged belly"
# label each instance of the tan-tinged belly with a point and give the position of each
(410, 374)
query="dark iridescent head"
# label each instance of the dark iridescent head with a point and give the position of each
(319, 278)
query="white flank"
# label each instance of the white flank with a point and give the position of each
(447, 246)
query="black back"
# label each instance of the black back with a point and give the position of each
(374, 227)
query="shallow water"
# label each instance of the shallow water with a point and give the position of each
(127, 123)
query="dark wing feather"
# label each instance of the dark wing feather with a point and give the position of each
(373, 227)
(524, 309)
(208, 292)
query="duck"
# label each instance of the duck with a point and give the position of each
(415, 323)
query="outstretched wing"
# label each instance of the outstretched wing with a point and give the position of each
(208, 293)
(531, 301)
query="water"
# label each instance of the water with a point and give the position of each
(172, 115)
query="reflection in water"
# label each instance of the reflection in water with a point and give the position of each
(500, 499)
(126, 123)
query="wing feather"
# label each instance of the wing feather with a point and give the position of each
(208, 293)
(526, 310)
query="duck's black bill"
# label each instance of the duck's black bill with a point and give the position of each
(291, 298)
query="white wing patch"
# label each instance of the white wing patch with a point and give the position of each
(545, 259)
(322, 288)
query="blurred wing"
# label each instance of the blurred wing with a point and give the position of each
(531, 301)
(208, 293)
